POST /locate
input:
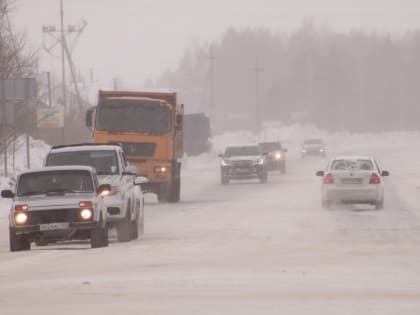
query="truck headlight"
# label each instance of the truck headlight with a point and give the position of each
(278, 156)
(21, 218)
(160, 169)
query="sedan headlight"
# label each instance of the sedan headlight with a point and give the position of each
(21, 218)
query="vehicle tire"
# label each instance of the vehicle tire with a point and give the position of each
(99, 235)
(379, 205)
(326, 204)
(175, 191)
(264, 177)
(224, 180)
(123, 227)
(18, 242)
(283, 169)
(134, 234)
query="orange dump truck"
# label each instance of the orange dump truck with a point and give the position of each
(149, 126)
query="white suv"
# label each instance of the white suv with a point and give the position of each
(124, 204)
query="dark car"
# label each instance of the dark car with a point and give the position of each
(315, 147)
(243, 162)
(276, 156)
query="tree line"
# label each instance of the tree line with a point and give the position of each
(354, 81)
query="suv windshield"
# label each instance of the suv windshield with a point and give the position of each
(270, 146)
(242, 151)
(105, 162)
(66, 181)
(123, 115)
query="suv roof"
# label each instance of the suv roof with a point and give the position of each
(86, 147)
(61, 168)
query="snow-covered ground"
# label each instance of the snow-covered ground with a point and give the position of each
(245, 248)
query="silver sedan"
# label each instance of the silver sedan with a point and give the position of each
(353, 179)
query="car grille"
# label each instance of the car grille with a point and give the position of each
(139, 149)
(54, 216)
(246, 163)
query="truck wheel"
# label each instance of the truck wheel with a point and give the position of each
(175, 190)
(99, 236)
(18, 242)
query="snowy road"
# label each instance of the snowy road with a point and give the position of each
(246, 248)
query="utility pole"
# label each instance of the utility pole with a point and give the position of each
(63, 56)
(212, 103)
(257, 70)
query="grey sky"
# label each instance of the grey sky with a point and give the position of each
(138, 39)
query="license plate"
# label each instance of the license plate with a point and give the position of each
(351, 181)
(54, 226)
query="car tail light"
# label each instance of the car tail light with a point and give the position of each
(375, 179)
(328, 179)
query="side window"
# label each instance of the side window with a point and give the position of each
(123, 160)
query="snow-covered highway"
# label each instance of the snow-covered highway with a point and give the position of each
(245, 248)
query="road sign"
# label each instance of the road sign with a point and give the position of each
(50, 117)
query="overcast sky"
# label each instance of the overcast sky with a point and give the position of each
(138, 39)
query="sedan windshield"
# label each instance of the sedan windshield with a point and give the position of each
(144, 116)
(242, 151)
(68, 181)
(105, 162)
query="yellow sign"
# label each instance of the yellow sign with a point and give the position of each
(50, 117)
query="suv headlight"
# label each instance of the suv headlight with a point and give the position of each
(260, 161)
(224, 163)
(21, 218)
(278, 156)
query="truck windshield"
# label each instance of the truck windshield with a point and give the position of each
(105, 162)
(68, 181)
(123, 115)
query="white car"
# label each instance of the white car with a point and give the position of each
(124, 204)
(353, 179)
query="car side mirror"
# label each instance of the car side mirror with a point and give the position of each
(7, 194)
(265, 153)
(284, 150)
(385, 173)
(220, 155)
(140, 180)
(130, 170)
(320, 173)
(104, 189)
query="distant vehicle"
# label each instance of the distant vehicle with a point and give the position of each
(276, 156)
(124, 204)
(353, 179)
(197, 134)
(56, 204)
(313, 147)
(243, 162)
